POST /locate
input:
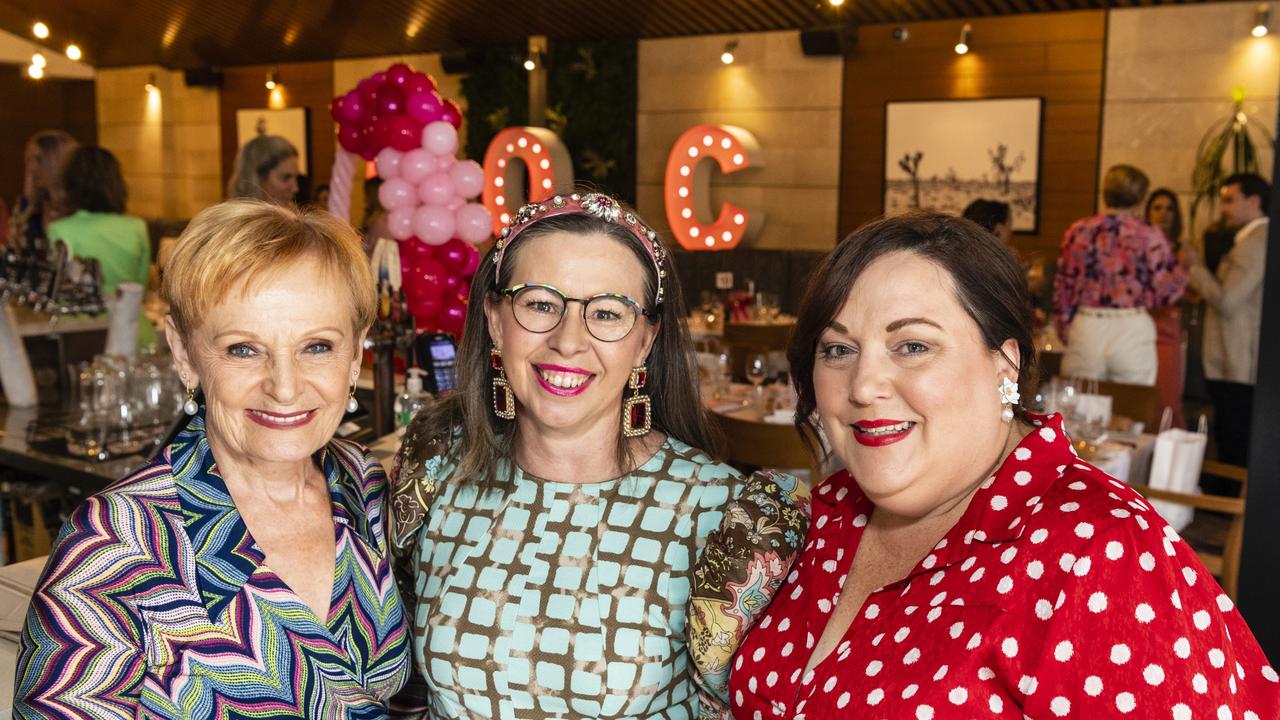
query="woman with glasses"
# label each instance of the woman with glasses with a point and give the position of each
(547, 515)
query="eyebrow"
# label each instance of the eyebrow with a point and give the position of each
(899, 324)
(311, 333)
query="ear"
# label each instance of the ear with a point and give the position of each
(181, 354)
(493, 319)
(359, 354)
(650, 337)
(1009, 351)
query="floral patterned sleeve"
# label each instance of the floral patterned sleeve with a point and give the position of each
(1168, 278)
(1064, 282)
(742, 565)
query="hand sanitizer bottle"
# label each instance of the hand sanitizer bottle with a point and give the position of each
(413, 399)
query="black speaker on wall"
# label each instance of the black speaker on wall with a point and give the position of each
(202, 77)
(828, 39)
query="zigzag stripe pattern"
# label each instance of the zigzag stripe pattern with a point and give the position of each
(156, 603)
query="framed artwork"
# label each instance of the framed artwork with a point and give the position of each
(943, 154)
(290, 123)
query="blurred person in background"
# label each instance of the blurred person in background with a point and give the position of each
(41, 201)
(321, 197)
(266, 169)
(993, 215)
(1165, 213)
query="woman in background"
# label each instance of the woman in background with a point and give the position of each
(266, 169)
(41, 200)
(98, 228)
(1164, 213)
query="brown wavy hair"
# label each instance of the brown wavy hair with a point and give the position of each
(478, 441)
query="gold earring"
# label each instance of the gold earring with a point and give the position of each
(504, 401)
(636, 411)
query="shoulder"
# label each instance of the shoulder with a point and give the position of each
(711, 484)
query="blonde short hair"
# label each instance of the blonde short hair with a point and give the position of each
(1124, 186)
(235, 242)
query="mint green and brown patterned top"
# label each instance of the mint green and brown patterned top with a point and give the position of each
(550, 599)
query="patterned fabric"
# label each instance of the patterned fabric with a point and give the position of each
(1059, 593)
(739, 572)
(1114, 261)
(156, 603)
(550, 599)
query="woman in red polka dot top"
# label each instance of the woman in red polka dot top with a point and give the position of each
(967, 564)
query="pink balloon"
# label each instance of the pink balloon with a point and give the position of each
(352, 108)
(433, 225)
(435, 189)
(452, 114)
(388, 163)
(399, 74)
(405, 133)
(440, 138)
(425, 107)
(416, 165)
(473, 223)
(400, 223)
(445, 163)
(396, 193)
(455, 202)
(468, 178)
(452, 255)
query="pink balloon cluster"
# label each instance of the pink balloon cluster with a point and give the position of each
(425, 189)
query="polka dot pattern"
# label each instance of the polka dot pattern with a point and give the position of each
(1059, 593)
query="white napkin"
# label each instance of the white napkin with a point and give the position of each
(122, 334)
(15, 367)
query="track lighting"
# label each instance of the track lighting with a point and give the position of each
(273, 79)
(966, 36)
(1261, 21)
(151, 86)
(726, 57)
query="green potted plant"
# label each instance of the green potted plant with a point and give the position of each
(1230, 146)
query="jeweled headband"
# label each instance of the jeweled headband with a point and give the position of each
(593, 204)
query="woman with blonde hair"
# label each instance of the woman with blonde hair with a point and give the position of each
(42, 199)
(266, 169)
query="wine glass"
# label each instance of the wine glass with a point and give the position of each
(757, 370)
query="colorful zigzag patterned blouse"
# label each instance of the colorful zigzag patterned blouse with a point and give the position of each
(156, 603)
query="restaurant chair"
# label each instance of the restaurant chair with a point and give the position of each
(753, 444)
(1218, 547)
(742, 339)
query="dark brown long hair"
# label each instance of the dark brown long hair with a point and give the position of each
(478, 441)
(93, 182)
(989, 284)
(1177, 213)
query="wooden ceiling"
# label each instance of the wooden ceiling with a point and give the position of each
(188, 34)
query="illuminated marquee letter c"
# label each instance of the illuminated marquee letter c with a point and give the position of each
(686, 192)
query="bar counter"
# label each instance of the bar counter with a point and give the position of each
(31, 443)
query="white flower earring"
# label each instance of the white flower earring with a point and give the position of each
(1008, 398)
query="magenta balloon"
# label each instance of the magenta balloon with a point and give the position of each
(420, 82)
(400, 223)
(423, 277)
(335, 108)
(451, 283)
(379, 78)
(388, 163)
(440, 138)
(380, 135)
(425, 107)
(452, 114)
(351, 138)
(453, 315)
(390, 102)
(468, 178)
(425, 309)
(433, 225)
(352, 108)
(435, 189)
(464, 288)
(473, 261)
(412, 248)
(405, 133)
(452, 255)
(399, 74)
(396, 193)
(473, 223)
(416, 165)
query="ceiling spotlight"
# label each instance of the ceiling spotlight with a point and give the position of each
(151, 86)
(35, 71)
(901, 34)
(532, 60)
(40, 30)
(38, 60)
(273, 79)
(1261, 20)
(836, 3)
(726, 57)
(966, 36)
(73, 51)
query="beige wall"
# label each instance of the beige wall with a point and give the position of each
(167, 143)
(791, 103)
(1169, 76)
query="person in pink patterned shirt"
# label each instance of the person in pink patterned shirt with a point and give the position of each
(1113, 271)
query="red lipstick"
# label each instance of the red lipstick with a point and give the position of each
(878, 433)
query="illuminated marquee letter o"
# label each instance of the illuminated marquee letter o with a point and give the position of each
(540, 153)
(686, 192)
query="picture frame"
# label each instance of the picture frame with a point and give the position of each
(293, 124)
(943, 154)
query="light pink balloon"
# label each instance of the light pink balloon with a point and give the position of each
(445, 163)
(440, 138)
(433, 225)
(436, 189)
(416, 165)
(455, 202)
(396, 193)
(388, 163)
(474, 223)
(468, 178)
(400, 223)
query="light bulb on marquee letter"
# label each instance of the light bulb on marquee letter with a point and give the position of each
(687, 195)
(514, 153)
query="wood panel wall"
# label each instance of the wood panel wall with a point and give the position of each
(1055, 56)
(308, 85)
(31, 106)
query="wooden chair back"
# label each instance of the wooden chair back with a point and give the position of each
(1224, 564)
(767, 445)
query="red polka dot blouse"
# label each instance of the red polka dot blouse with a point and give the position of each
(1059, 593)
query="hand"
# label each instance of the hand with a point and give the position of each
(1189, 257)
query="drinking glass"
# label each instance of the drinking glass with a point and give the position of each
(757, 370)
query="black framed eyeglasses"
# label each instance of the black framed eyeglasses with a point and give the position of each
(539, 308)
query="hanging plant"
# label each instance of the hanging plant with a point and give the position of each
(1235, 138)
